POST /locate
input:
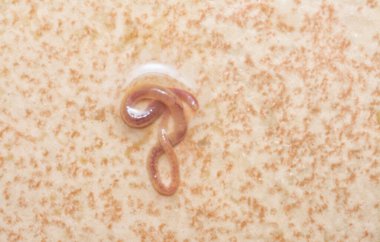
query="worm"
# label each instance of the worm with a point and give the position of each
(163, 102)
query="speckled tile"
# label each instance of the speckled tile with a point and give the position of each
(285, 146)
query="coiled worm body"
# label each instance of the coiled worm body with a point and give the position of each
(163, 102)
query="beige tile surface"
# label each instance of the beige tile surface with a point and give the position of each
(285, 146)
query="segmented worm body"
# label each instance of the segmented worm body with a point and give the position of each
(164, 101)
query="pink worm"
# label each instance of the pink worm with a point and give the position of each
(164, 101)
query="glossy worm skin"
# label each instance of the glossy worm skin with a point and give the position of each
(164, 101)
